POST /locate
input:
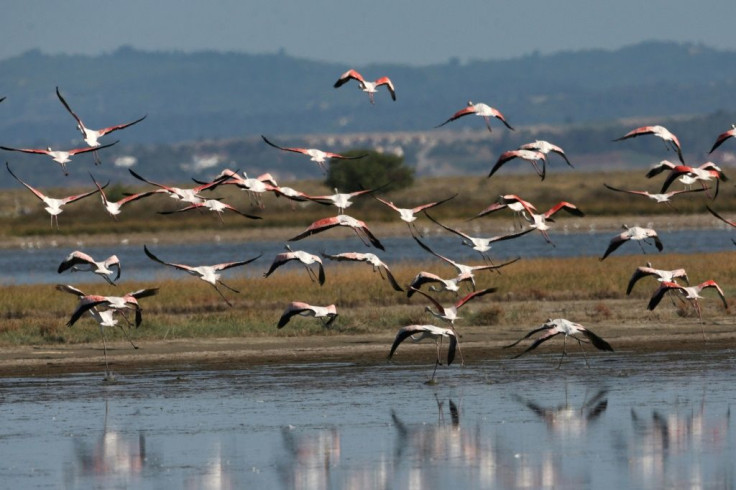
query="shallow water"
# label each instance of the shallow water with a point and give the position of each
(38, 265)
(629, 421)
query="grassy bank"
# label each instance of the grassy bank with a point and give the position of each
(529, 291)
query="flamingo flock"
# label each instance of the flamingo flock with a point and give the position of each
(104, 308)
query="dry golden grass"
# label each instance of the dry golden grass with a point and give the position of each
(528, 292)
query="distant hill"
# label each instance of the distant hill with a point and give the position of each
(226, 96)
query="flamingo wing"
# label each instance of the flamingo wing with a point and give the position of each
(116, 127)
(597, 341)
(74, 259)
(387, 82)
(347, 76)
(723, 137)
(230, 265)
(156, 259)
(69, 109)
(459, 114)
(473, 295)
(659, 293)
(317, 227)
(78, 151)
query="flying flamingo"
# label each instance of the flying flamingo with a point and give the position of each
(318, 156)
(634, 233)
(92, 136)
(114, 208)
(723, 137)
(104, 319)
(480, 245)
(479, 109)
(703, 173)
(691, 293)
(417, 333)
(521, 208)
(539, 220)
(452, 285)
(327, 314)
(215, 206)
(464, 272)
(661, 275)
(364, 85)
(129, 301)
(659, 198)
(449, 314)
(531, 156)
(358, 226)
(207, 273)
(342, 200)
(62, 157)
(80, 261)
(568, 329)
(378, 264)
(304, 258)
(409, 214)
(191, 196)
(658, 131)
(53, 206)
(254, 186)
(728, 222)
(545, 147)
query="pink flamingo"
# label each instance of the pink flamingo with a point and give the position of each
(417, 333)
(658, 131)
(318, 156)
(372, 259)
(369, 87)
(80, 261)
(531, 156)
(691, 293)
(301, 256)
(327, 314)
(479, 109)
(634, 233)
(723, 137)
(409, 214)
(62, 157)
(358, 226)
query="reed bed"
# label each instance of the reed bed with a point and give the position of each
(529, 291)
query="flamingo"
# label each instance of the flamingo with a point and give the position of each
(327, 314)
(568, 329)
(703, 173)
(318, 156)
(531, 156)
(358, 226)
(658, 131)
(691, 293)
(479, 109)
(728, 222)
(128, 301)
(634, 233)
(53, 206)
(342, 200)
(539, 220)
(424, 277)
(2, 98)
(62, 157)
(254, 186)
(370, 258)
(661, 275)
(115, 208)
(364, 85)
(521, 208)
(92, 136)
(659, 198)
(207, 273)
(465, 272)
(420, 332)
(449, 314)
(409, 214)
(191, 196)
(215, 206)
(545, 147)
(480, 245)
(80, 261)
(723, 137)
(305, 258)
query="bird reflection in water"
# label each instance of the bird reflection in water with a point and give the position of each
(678, 447)
(567, 419)
(310, 458)
(115, 457)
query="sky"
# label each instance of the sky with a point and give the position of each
(359, 33)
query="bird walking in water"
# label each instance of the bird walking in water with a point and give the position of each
(207, 273)
(369, 87)
(567, 328)
(480, 109)
(417, 333)
(80, 261)
(327, 314)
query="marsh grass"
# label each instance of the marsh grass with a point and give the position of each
(529, 291)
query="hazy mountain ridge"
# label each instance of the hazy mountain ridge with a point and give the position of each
(208, 95)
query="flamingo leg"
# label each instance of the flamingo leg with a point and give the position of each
(230, 288)
(222, 295)
(488, 123)
(97, 158)
(564, 351)
(128, 337)
(580, 343)
(311, 274)
(459, 350)
(104, 351)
